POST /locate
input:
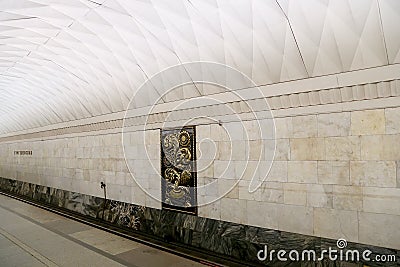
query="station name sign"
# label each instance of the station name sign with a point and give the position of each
(23, 152)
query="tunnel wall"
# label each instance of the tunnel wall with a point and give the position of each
(335, 172)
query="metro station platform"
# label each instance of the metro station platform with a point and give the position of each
(31, 236)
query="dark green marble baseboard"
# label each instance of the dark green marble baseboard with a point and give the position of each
(203, 236)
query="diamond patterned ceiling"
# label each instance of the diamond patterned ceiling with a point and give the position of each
(63, 60)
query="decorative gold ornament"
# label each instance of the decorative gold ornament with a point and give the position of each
(178, 166)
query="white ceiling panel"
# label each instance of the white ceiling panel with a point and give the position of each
(64, 60)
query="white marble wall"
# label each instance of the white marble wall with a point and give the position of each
(334, 175)
(80, 163)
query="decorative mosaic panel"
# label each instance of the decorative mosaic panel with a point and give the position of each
(178, 167)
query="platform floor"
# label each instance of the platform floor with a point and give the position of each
(31, 236)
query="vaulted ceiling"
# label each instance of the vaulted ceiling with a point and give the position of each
(63, 60)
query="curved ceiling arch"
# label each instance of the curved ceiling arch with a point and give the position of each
(65, 60)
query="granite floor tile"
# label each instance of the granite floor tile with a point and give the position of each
(12, 255)
(33, 238)
(69, 243)
(147, 256)
(35, 213)
(67, 226)
(105, 241)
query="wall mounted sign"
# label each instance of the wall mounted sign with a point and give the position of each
(178, 168)
(23, 152)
